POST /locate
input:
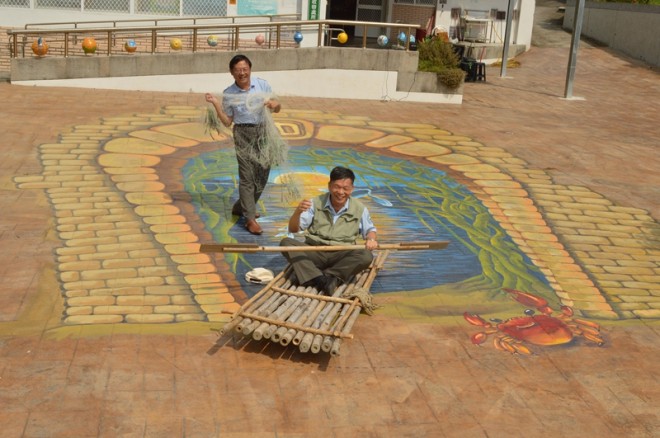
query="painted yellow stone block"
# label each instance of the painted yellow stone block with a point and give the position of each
(134, 177)
(166, 290)
(454, 138)
(170, 228)
(93, 319)
(148, 198)
(183, 300)
(129, 170)
(474, 168)
(202, 278)
(166, 219)
(80, 266)
(149, 300)
(104, 274)
(506, 182)
(122, 310)
(540, 237)
(188, 317)
(127, 160)
(421, 149)
(197, 268)
(136, 282)
(347, 134)
(91, 301)
(176, 238)
(149, 318)
(83, 310)
(209, 288)
(389, 141)
(452, 159)
(155, 271)
(221, 298)
(157, 210)
(190, 248)
(141, 186)
(176, 309)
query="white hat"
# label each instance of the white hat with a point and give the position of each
(259, 275)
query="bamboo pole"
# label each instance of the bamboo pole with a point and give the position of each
(377, 266)
(253, 247)
(300, 315)
(233, 320)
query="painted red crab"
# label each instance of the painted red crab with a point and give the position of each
(543, 329)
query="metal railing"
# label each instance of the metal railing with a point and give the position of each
(158, 38)
(157, 21)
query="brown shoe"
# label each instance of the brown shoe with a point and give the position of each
(253, 227)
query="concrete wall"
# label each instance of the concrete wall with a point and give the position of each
(99, 66)
(632, 29)
(334, 72)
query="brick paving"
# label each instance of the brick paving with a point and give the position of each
(101, 335)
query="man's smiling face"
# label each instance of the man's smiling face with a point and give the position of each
(241, 73)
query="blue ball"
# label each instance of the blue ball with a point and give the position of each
(383, 40)
(412, 39)
(402, 37)
(297, 37)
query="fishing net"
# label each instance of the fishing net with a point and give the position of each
(272, 150)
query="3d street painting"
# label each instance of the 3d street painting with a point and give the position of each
(133, 197)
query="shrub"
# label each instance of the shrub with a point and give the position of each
(438, 56)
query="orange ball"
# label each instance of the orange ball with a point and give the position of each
(39, 47)
(342, 37)
(89, 45)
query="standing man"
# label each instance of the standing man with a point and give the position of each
(333, 218)
(243, 104)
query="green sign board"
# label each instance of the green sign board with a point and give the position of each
(313, 12)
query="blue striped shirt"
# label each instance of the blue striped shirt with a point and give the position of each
(246, 106)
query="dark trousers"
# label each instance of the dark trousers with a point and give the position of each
(252, 177)
(310, 264)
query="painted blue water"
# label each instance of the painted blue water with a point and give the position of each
(407, 201)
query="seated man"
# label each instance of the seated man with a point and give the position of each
(333, 218)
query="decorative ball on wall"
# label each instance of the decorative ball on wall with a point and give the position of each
(297, 37)
(130, 46)
(39, 47)
(260, 39)
(176, 44)
(89, 45)
(382, 40)
(212, 40)
(342, 38)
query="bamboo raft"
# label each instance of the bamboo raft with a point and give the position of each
(286, 313)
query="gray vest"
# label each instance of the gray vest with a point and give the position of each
(343, 232)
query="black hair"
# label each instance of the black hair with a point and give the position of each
(238, 58)
(340, 172)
